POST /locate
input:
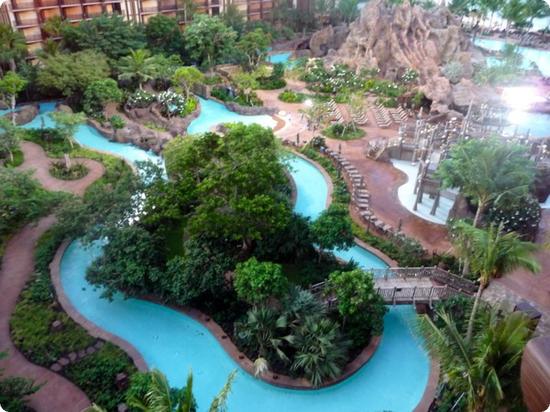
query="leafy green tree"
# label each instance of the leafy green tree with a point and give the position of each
(22, 199)
(245, 83)
(255, 282)
(163, 35)
(234, 18)
(321, 350)
(131, 263)
(100, 93)
(200, 271)
(186, 10)
(536, 9)
(244, 203)
(139, 66)
(492, 254)
(254, 46)
(116, 123)
(10, 136)
(165, 68)
(13, 46)
(515, 13)
(14, 391)
(187, 78)
(111, 35)
(360, 306)
(485, 369)
(348, 10)
(263, 331)
(487, 171)
(333, 229)
(71, 74)
(208, 40)
(10, 86)
(68, 123)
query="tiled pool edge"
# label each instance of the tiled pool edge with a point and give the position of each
(91, 328)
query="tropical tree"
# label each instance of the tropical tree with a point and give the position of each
(160, 397)
(10, 85)
(116, 123)
(70, 74)
(68, 123)
(187, 9)
(492, 253)
(484, 369)
(321, 350)
(254, 45)
(255, 282)
(348, 10)
(12, 46)
(515, 13)
(139, 66)
(163, 35)
(333, 229)
(233, 17)
(100, 93)
(359, 305)
(109, 34)
(186, 78)
(487, 171)
(245, 83)
(208, 40)
(264, 330)
(9, 137)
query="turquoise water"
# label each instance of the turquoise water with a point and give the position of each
(214, 113)
(540, 57)
(393, 380)
(538, 124)
(282, 57)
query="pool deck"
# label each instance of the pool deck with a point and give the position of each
(382, 179)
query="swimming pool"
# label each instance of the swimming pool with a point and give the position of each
(214, 113)
(281, 57)
(540, 57)
(394, 378)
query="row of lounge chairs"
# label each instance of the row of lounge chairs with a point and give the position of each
(360, 118)
(335, 112)
(399, 115)
(360, 194)
(382, 117)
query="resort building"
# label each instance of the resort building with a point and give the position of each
(28, 16)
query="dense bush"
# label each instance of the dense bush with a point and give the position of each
(14, 390)
(454, 71)
(330, 80)
(222, 93)
(96, 375)
(290, 96)
(60, 170)
(344, 131)
(521, 216)
(275, 81)
(140, 99)
(255, 281)
(98, 94)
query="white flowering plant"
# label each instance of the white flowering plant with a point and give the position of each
(140, 99)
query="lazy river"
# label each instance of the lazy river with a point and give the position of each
(394, 379)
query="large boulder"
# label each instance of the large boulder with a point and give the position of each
(4, 105)
(396, 38)
(24, 114)
(328, 38)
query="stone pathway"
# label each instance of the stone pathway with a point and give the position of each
(35, 159)
(57, 393)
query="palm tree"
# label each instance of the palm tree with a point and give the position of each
(138, 66)
(12, 46)
(160, 397)
(493, 253)
(488, 171)
(321, 351)
(262, 329)
(485, 370)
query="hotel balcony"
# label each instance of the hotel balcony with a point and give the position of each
(168, 6)
(69, 3)
(42, 4)
(33, 38)
(22, 5)
(149, 10)
(75, 17)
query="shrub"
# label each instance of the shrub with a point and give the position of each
(454, 71)
(410, 76)
(171, 103)
(255, 281)
(140, 99)
(60, 170)
(344, 131)
(522, 216)
(290, 96)
(98, 94)
(96, 375)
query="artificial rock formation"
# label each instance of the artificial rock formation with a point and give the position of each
(395, 38)
(24, 114)
(328, 38)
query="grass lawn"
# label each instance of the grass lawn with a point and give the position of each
(340, 132)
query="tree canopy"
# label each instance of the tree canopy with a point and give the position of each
(163, 35)
(333, 228)
(99, 93)
(255, 281)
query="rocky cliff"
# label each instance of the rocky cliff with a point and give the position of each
(394, 38)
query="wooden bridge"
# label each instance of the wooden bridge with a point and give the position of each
(413, 285)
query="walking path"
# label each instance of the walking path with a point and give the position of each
(36, 159)
(57, 394)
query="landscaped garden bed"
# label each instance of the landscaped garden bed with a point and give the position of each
(344, 131)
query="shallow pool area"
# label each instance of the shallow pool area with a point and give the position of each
(540, 57)
(393, 380)
(214, 113)
(280, 57)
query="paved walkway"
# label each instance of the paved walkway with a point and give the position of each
(35, 159)
(57, 394)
